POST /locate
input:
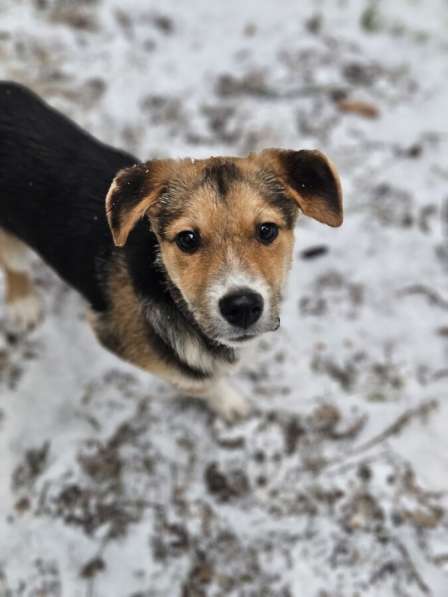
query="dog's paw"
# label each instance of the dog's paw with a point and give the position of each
(24, 313)
(229, 404)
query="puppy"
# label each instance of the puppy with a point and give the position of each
(182, 262)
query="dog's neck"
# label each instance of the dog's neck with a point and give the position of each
(190, 345)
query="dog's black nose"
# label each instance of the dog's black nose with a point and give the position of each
(242, 308)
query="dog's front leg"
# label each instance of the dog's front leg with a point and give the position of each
(223, 399)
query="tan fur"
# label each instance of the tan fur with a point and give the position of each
(18, 286)
(13, 259)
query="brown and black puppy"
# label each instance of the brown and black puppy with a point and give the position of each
(182, 261)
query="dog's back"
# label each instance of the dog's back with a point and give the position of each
(54, 179)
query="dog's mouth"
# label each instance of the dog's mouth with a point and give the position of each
(243, 338)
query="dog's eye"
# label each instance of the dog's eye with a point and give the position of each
(267, 232)
(188, 241)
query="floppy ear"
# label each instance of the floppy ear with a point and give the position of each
(313, 183)
(130, 195)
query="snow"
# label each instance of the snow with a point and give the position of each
(337, 484)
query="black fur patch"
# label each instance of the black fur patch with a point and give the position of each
(221, 175)
(54, 178)
(310, 175)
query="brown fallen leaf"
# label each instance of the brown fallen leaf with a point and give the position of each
(424, 519)
(365, 109)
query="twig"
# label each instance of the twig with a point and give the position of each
(397, 426)
(434, 297)
(418, 579)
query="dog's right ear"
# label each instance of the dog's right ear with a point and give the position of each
(311, 180)
(132, 192)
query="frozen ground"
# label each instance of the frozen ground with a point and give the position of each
(110, 486)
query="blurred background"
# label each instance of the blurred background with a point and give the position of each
(336, 486)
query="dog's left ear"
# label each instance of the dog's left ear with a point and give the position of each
(132, 193)
(312, 181)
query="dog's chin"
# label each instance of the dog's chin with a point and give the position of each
(239, 341)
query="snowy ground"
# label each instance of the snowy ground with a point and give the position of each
(337, 485)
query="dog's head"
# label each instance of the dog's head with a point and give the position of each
(225, 229)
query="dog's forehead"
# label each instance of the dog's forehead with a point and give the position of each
(219, 172)
(228, 204)
(220, 196)
(225, 193)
